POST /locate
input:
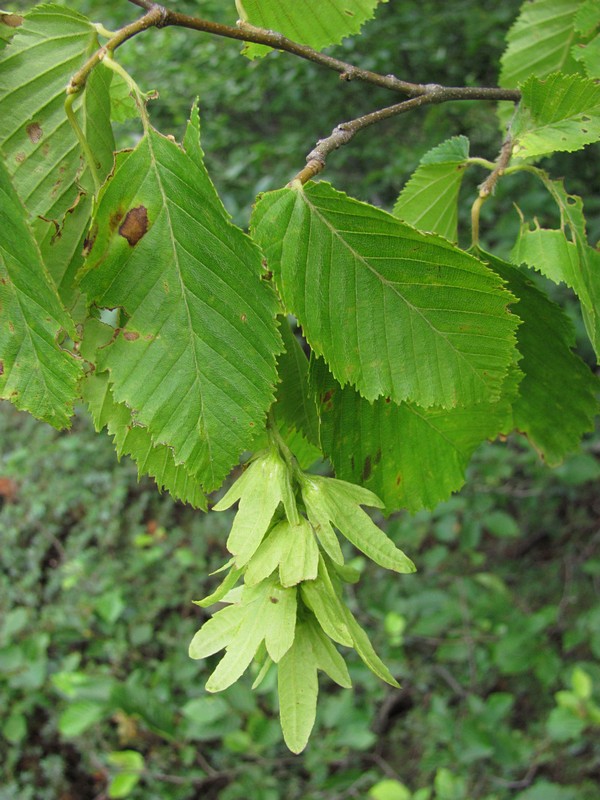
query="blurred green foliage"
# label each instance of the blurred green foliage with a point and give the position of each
(496, 640)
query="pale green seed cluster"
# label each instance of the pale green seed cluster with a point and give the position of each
(289, 608)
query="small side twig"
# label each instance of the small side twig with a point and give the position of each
(345, 131)
(488, 186)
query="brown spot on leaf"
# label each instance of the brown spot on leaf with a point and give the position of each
(398, 480)
(57, 231)
(377, 458)
(34, 131)
(11, 20)
(268, 276)
(366, 473)
(20, 158)
(135, 225)
(388, 399)
(273, 599)
(244, 318)
(45, 149)
(115, 219)
(326, 397)
(90, 239)
(1, 367)
(352, 463)
(131, 336)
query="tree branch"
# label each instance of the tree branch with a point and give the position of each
(245, 32)
(345, 131)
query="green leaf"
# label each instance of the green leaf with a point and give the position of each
(429, 201)
(389, 789)
(133, 440)
(392, 310)
(200, 318)
(268, 555)
(298, 688)
(557, 400)
(587, 18)
(589, 55)
(555, 256)
(341, 501)
(295, 407)
(582, 684)
(410, 456)
(9, 23)
(62, 240)
(547, 253)
(79, 716)
(312, 22)
(540, 41)
(130, 763)
(559, 113)
(36, 374)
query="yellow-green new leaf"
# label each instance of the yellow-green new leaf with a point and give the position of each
(393, 311)
(196, 360)
(364, 648)
(217, 632)
(322, 599)
(327, 657)
(298, 689)
(268, 613)
(292, 548)
(36, 374)
(222, 589)
(280, 621)
(260, 490)
(341, 502)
